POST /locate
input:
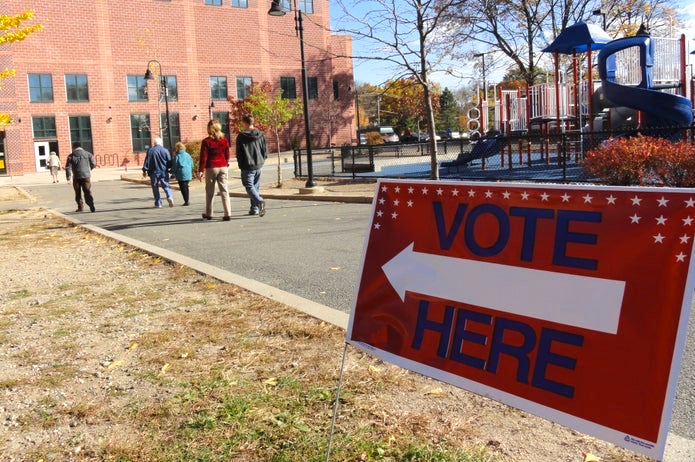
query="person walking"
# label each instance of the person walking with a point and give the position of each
(183, 170)
(251, 152)
(79, 165)
(54, 165)
(214, 164)
(157, 165)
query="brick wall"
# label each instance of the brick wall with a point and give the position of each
(109, 40)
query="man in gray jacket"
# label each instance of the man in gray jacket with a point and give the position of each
(80, 164)
(251, 152)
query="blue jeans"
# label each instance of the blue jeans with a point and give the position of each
(251, 179)
(155, 180)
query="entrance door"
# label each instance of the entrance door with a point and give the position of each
(41, 152)
(3, 161)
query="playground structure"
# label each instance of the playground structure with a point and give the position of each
(542, 132)
(642, 84)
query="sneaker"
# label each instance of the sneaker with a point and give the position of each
(253, 212)
(92, 208)
(207, 217)
(226, 218)
(261, 209)
(185, 204)
(78, 210)
(170, 200)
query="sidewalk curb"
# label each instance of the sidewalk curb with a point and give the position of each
(270, 194)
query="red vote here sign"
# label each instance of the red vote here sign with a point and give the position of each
(569, 302)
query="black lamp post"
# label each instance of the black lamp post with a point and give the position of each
(483, 106)
(600, 12)
(277, 9)
(210, 106)
(163, 84)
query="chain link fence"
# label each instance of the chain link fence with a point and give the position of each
(518, 156)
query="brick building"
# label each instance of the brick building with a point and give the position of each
(83, 77)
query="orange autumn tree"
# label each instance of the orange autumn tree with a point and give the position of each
(12, 29)
(270, 111)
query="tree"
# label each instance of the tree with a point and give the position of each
(12, 30)
(403, 103)
(404, 32)
(448, 111)
(269, 111)
(519, 30)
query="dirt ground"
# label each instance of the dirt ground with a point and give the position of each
(87, 323)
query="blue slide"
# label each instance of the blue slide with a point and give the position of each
(661, 110)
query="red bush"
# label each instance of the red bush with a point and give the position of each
(643, 160)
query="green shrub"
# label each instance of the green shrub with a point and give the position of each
(642, 160)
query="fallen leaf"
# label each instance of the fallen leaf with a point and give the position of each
(374, 369)
(210, 286)
(115, 364)
(164, 368)
(133, 346)
(435, 391)
(271, 381)
(184, 355)
(589, 457)
(335, 268)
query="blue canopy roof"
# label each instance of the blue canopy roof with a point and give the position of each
(578, 37)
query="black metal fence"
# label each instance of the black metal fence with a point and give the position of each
(496, 156)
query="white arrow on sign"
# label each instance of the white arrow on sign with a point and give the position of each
(581, 301)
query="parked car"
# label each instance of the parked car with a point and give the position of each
(449, 135)
(415, 137)
(388, 134)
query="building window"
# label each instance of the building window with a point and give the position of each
(175, 129)
(137, 88)
(76, 87)
(240, 3)
(172, 89)
(336, 90)
(140, 132)
(218, 87)
(243, 87)
(213, 2)
(289, 87)
(81, 130)
(44, 127)
(313, 87)
(307, 6)
(40, 88)
(223, 117)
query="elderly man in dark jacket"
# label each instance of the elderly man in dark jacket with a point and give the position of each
(157, 165)
(80, 164)
(251, 152)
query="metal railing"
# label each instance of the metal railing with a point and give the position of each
(527, 156)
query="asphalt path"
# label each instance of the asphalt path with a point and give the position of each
(311, 249)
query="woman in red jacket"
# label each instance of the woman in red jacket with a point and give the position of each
(214, 162)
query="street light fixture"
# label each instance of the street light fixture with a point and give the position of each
(210, 106)
(163, 85)
(277, 9)
(600, 12)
